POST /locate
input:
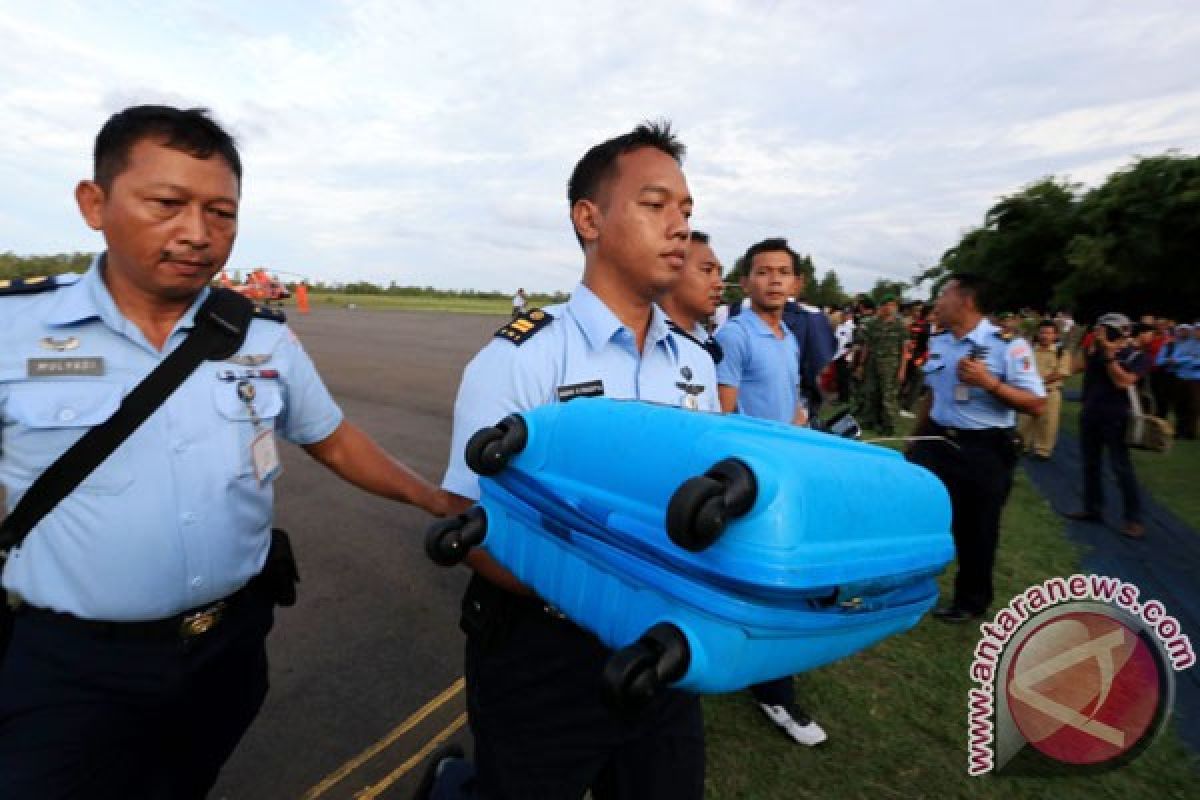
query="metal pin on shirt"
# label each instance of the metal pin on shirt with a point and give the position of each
(246, 393)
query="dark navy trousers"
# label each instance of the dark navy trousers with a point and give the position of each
(978, 475)
(85, 714)
(542, 729)
(1098, 431)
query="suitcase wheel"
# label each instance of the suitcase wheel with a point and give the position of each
(702, 506)
(491, 448)
(448, 541)
(635, 673)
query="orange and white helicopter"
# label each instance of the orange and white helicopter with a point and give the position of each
(259, 286)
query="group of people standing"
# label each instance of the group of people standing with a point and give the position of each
(135, 660)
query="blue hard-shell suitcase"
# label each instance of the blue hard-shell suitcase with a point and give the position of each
(713, 551)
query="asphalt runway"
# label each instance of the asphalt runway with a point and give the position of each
(365, 667)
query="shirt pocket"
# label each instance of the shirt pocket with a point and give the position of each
(47, 418)
(238, 423)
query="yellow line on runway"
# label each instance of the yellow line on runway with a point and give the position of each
(375, 749)
(372, 792)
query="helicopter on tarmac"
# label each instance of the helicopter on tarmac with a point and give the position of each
(259, 286)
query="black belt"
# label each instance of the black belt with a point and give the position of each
(532, 604)
(982, 435)
(184, 626)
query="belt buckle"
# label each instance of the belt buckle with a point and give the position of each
(202, 621)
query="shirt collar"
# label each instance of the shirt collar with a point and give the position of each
(599, 324)
(89, 298)
(979, 334)
(758, 326)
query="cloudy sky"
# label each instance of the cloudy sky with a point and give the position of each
(429, 143)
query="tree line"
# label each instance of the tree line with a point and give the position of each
(1130, 244)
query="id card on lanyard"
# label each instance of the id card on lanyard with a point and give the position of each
(263, 453)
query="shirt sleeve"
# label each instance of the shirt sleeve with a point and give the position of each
(733, 344)
(310, 413)
(503, 378)
(1020, 369)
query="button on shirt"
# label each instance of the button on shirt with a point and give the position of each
(1011, 361)
(583, 342)
(764, 368)
(175, 518)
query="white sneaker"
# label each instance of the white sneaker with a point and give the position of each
(795, 723)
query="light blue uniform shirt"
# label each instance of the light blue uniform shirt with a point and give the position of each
(175, 518)
(1184, 360)
(1011, 361)
(584, 342)
(764, 368)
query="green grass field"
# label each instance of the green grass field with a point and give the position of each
(896, 714)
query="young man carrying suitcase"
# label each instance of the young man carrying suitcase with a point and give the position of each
(534, 691)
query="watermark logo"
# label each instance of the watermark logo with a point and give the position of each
(1074, 674)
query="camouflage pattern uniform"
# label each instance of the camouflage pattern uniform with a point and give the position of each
(857, 399)
(881, 390)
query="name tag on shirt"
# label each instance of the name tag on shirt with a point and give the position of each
(587, 389)
(52, 367)
(265, 456)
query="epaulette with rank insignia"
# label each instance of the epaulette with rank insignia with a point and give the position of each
(1005, 335)
(524, 326)
(29, 285)
(272, 314)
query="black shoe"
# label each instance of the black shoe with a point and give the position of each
(954, 614)
(437, 762)
(1083, 516)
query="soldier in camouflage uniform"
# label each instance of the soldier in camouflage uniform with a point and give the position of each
(866, 313)
(883, 369)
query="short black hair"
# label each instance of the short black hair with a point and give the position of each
(977, 287)
(700, 237)
(775, 245)
(191, 130)
(599, 164)
(1048, 323)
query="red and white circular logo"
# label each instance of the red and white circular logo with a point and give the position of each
(1085, 688)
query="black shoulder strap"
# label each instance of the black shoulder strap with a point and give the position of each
(221, 325)
(710, 346)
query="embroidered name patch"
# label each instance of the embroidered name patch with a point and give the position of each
(48, 367)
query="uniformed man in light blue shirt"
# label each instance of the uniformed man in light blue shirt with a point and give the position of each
(137, 658)
(1184, 362)
(979, 377)
(694, 298)
(534, 690)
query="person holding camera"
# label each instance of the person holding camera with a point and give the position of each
(1112, 364)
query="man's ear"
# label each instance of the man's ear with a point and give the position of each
(587, 218)
(89, 195)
